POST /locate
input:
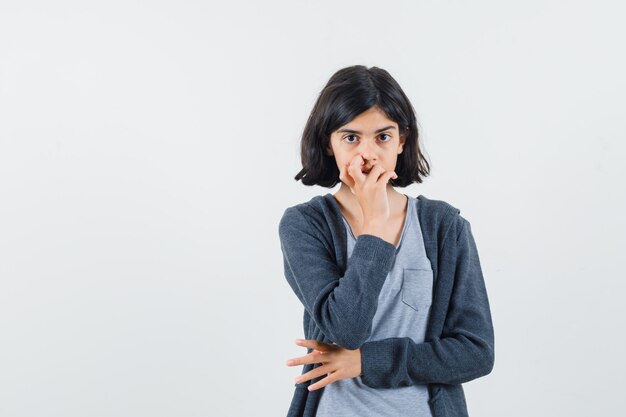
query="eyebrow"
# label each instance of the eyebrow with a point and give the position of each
(357, 132)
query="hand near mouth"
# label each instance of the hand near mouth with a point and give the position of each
(369, 184)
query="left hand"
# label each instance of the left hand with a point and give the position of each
(341, 363)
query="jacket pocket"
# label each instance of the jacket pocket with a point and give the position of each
(417, 287)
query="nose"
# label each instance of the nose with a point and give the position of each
(368, 151)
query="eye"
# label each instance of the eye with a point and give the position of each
(387, 139)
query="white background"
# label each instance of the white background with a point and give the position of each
(147, 153)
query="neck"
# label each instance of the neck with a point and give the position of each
(350, 205)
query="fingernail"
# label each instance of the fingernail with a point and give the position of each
(290, 362)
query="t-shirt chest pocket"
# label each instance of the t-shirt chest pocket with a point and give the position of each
(417, 287)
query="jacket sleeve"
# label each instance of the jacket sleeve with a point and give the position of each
(464, 352)
(343, 307)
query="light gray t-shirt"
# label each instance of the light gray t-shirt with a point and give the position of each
(403, 309)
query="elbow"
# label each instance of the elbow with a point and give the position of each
(481, 366)
(490, 360)
(482, 363)
(486, 362)
(484, 357)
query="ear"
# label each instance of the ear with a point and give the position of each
(402, 142)
(329, 150)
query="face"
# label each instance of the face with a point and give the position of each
(370, 136)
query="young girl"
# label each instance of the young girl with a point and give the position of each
(396, 314)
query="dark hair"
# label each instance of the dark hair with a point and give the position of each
(348, 93)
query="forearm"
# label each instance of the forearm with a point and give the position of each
(342, 304)
(398, 362)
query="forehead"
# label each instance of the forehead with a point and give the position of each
(372, 120)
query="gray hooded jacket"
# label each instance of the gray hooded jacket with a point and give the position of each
(340, 297)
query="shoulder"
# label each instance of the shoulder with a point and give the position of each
(303, 216)
(436, 208)
(440, 217)
(301, 211)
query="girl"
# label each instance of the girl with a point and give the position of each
(396, 313)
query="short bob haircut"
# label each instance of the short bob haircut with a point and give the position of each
(348, 93)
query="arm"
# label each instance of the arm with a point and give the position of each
(341, 306)
(464, 352)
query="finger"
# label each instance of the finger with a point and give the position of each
(386, 176)
(300, 360)
(311, 343)
(342, 173)
(345, 177)
(356, 174)
(322, 383)
(312, 374)
(374, 174)
(316, 356)
(355, 167)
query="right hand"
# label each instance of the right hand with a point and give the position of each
(370, 190)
